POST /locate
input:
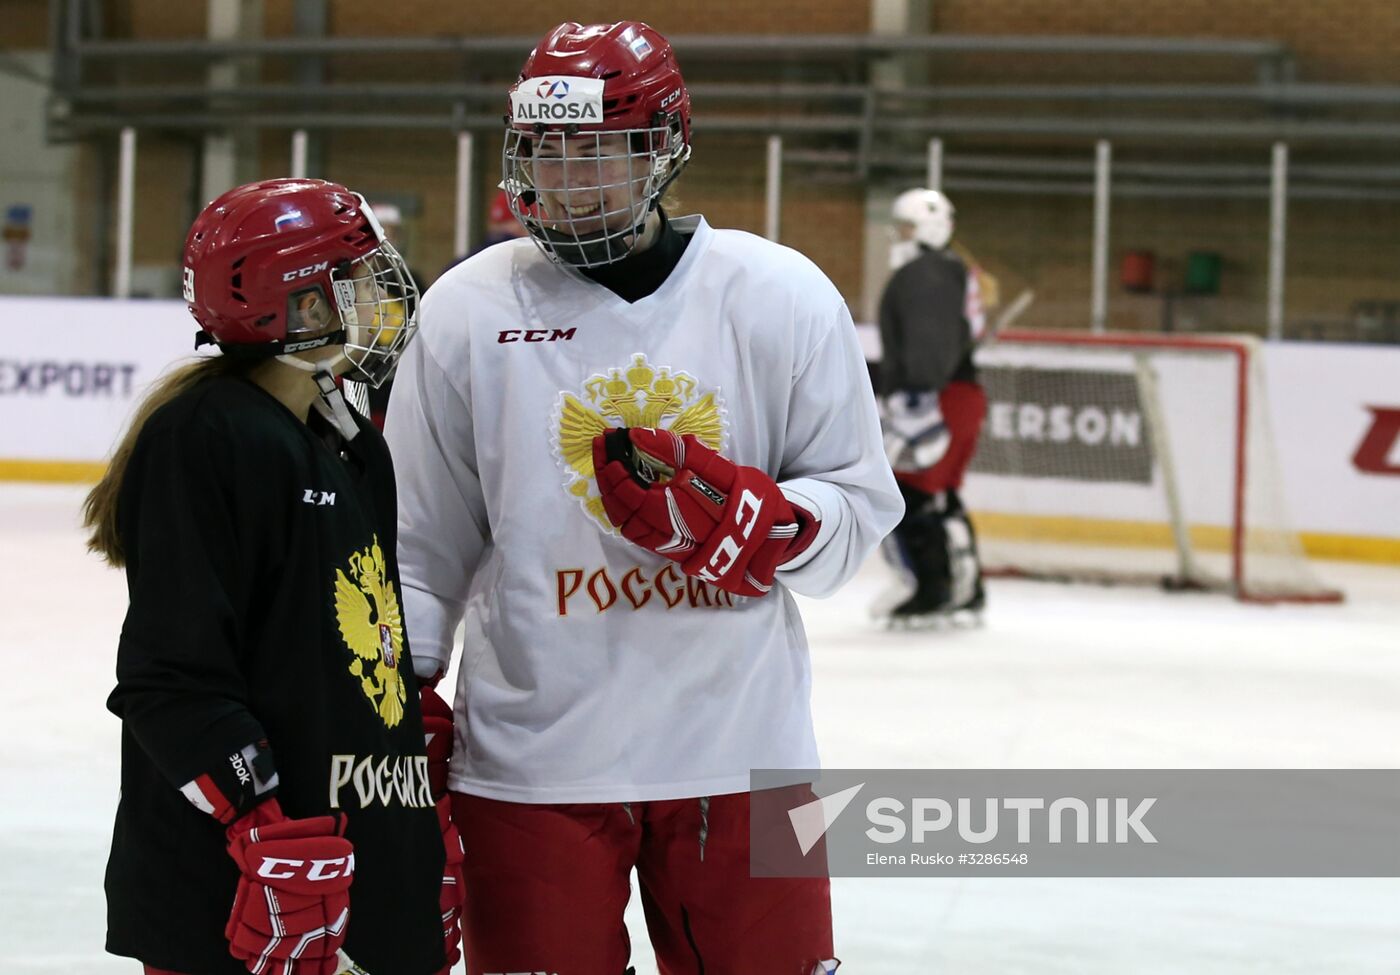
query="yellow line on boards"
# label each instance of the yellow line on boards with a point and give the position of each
(1104, 532)
(1052, 529)
(53, 471)
(1352, 548)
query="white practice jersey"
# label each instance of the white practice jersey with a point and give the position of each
(594, 670)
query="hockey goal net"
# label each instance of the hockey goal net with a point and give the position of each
(1137, 459)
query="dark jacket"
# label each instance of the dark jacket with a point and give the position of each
(924, 331)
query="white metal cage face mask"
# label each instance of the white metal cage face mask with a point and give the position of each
(377, 299)
(584, 197)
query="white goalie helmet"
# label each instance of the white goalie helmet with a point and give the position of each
(929, 212)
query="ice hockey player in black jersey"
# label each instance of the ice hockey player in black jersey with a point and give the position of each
(931, 409)
(277, 812)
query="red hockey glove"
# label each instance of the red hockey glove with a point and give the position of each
(292, 907)
(725, 524)
(437, 732)
(453, 898)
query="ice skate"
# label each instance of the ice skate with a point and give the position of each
(936, 606)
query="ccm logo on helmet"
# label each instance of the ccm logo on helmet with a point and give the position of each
(303, 346)
(305, 272)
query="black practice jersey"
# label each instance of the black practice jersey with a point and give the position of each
(925, 336)
(265, 607)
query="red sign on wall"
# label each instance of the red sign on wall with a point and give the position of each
(1379, 444)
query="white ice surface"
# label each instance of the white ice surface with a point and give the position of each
(1058, 677)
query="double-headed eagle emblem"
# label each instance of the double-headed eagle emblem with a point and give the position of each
(372, 627)
(638, 395)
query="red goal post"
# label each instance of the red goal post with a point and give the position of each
(1128, 457)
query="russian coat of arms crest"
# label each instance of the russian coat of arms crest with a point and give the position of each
(371, 624)
(635, 395)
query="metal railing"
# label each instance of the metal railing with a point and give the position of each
(818, 88)
(815, 91)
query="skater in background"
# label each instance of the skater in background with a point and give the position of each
(278, 807)
(932, 406)
(501, 224)
(501, 227)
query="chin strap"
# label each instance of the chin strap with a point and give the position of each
(331, 405)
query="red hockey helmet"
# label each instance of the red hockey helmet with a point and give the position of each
(287, 265)
(598, 128)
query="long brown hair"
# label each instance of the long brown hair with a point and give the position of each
(100, 506)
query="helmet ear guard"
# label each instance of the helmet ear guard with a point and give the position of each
(670, 166)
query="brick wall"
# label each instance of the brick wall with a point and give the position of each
(153, 20)
(165, 189)
(1351, 41)
(668, 16)
(419, 166)
(1339, 255)
(725, 182)
(26, 24)
(365, 18)
(1044, 244)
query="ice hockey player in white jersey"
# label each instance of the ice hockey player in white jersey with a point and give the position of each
(623, 442)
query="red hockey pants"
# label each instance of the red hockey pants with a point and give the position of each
(547, 886)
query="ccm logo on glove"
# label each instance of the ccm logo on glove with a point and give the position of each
(726, 524)
(729, 547)
(277, 868)
(292, 906)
